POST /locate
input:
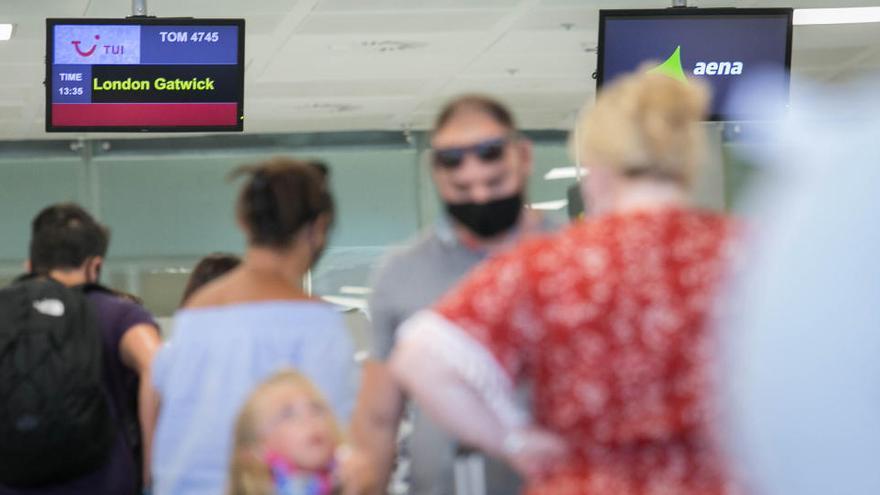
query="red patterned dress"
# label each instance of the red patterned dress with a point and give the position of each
(608, 321)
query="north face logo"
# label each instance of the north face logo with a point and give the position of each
(50, 307)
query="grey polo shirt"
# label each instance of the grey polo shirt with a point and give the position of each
(410, 279)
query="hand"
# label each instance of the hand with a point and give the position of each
(356, 471)
(534, 453)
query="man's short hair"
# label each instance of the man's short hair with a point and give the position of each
(488, 105)
(64, 236)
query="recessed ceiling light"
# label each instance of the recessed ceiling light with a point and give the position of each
(550, 205)
(5, 32)
(355, 290)
(850, 15)
(563, 173)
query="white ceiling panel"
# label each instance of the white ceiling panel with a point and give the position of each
(22, 52)
(189, 8)
(849, 35)
(11, 112)
(328, 88)
(12, 10)
(388, 44)
(12, 94)
(520, 84)
(872, 61)
(262, 24)
(312, 123)
(606, 4)
(812, 4)
(27, 28)
(822, 58)
(363, 67)
(21, 74)
(321, 107)
(533, 42)
(574, 65)
(400, 23)
(13, 131)
(411, 5)
(579, 19)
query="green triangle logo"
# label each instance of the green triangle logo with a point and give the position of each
(672, 66)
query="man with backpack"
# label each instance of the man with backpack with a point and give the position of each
(77, 408)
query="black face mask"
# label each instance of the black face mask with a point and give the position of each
(488, 219)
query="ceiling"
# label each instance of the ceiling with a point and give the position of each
(330, 65)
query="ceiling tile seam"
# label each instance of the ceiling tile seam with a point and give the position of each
(848, 65)
(499, 30)
(300, 12)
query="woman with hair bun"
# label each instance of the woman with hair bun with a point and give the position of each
(239, 329)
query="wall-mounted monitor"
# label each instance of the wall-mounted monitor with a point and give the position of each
(723, 47)
(144, 74)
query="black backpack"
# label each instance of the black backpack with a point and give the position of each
(55, 417)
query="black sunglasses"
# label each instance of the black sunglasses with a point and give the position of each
(487, 151)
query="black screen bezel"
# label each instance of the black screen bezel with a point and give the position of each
(678, 12)
(142, 21)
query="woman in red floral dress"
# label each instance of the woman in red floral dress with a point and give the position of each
(607, 320)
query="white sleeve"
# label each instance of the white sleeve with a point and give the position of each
(436, 338)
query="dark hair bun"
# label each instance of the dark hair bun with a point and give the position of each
(281, 196)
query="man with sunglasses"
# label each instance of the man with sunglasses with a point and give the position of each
(480, 167)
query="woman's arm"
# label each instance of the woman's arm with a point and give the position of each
(459, 384)
(137, 348)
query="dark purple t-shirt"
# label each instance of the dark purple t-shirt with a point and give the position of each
(120, 474)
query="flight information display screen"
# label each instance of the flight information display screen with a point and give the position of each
(144, 74)
(722, 47)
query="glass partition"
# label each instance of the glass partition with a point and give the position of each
(168, 200)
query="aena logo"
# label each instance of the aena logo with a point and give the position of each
(90, 51)
(718, 68)
(673, 68)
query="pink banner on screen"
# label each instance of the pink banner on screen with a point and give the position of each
(144, 114)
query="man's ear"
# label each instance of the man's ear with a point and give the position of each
(321, 227)
(524, 147)
(28, 266)
(93, 268)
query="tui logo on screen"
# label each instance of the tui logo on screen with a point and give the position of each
(90, 51)
(673, 67)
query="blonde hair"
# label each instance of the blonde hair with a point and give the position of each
(248, 473)
(645, 124)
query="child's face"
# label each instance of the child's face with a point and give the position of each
(299, 428)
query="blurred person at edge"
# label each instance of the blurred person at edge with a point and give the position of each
(802, 326)
(68, 245)
(241, 328)
(607, 320)
(480, 167)
(211, 267)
